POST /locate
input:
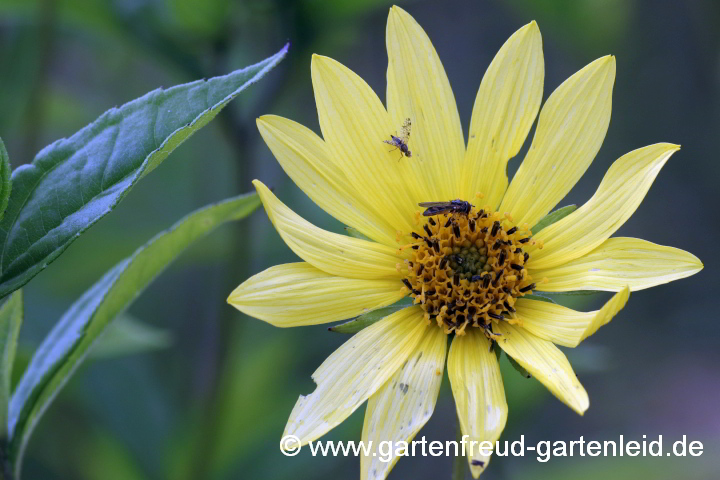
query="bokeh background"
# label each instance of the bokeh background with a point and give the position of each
(211, 398)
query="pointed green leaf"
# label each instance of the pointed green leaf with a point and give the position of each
(5, 183)
(520, 369)
(74, 182)
(572, 293)
(127, 335)
(353, 232)
(11, 317)
(68, 343)
(498, 351)
(536, 296)
(367, 319)
(553, 217)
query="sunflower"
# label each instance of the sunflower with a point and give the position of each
(474, 268)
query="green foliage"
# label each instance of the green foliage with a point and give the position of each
(105, 458)
(74, 182)
(353, 232)
(245, 394)
(205, 18)
(539, 297)
(553, 217)
(594, 25)
(367, 319)
(518, 368)
(5, 184)
(576, 299)
(67, 345)
(11, 317)
(559, 297)
(88, 13)
(572, 293)
(497, 350)
(127, 335)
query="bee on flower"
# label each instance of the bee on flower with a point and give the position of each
(473, 273)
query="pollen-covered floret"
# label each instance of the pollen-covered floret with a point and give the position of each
(469, 269)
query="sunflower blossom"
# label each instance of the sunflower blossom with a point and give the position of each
(470, 266)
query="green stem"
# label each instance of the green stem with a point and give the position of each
(460, 464)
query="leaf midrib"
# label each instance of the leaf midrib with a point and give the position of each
(12, 225)
(135, 172)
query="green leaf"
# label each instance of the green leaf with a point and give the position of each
(68, 343)
(553, 217)
(498, 351)
(576, 299)
(5, 183)
(74, 182)
(573, 293)
(127, 335)
(542, 298)
(11, 317)
(353, 232)
(367, 319)
(520, 369)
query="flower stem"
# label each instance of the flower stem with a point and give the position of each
(460, 464)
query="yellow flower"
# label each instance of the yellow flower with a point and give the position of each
(467, 271)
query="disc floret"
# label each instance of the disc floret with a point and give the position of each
(469, 269)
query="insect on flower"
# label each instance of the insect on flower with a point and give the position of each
(472, 274)
(453, 206)
(401, 141)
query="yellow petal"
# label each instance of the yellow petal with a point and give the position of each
(354, 124)
(570, 130)
(544, 361)
(298, 294)
(616, 199)
(505, 109)
(565, 326)
(304, 157)
(355, 371)
(618, 262)
(479, 395)
(418, 88)
(330, 252)
(400, 408)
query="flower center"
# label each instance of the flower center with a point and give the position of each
(469, 269)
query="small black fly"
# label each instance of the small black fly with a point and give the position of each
(453, 206)
(401, 141)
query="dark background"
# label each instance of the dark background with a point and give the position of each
(213, 404)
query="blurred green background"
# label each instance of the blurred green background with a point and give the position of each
(213, 404)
